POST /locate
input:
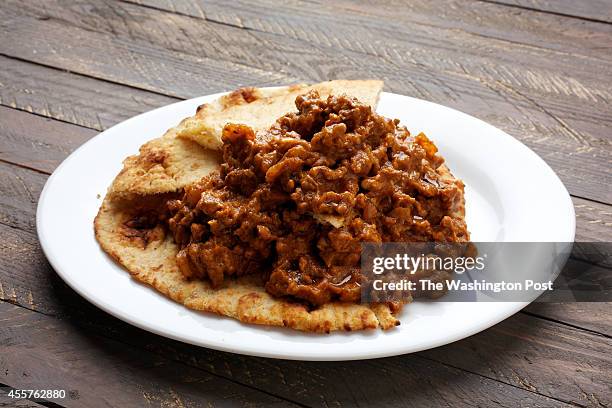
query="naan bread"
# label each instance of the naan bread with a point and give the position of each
(170, 163)
(164, 165)
(260, 108)
(150, 257)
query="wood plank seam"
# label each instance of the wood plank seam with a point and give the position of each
(595, 332)
(15, 302)
(536, 10)
(84, 75)
(23, 166)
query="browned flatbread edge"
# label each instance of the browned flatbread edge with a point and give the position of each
(163, 165)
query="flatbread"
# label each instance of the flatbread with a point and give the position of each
(170, 163)
(152, 261)
(164, 165)
(260, 108)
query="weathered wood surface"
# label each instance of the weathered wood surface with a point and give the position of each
(106, 372)
(594, 10)
(535, 68)
(560, 115)
(467, 18)
(494, 55)
(71, 98)
(589, 316)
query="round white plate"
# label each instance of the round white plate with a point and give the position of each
(511, 195)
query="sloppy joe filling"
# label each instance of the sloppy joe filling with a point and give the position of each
(295, 202)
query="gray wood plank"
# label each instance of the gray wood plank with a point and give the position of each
(37, 142)
(505, 353)
(592, 316)
(41, 352)
(469, 19)
(522, 115)
(128, 60)
(597, 10)
(70, 97)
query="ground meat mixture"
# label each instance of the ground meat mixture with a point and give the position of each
(295, 202)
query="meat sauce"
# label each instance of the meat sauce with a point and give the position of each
(295, 202)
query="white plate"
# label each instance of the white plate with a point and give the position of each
(511, 195)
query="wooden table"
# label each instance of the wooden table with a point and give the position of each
(541, 70)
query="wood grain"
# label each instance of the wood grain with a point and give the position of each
(468, 20)
(153, 67)
(593, 221)
(36, 142)
(396, 34)
(595, 10)
(526, 113)
(526, 353)
(123, 366)
(591, 316)
(70, 97)
(106, 372)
